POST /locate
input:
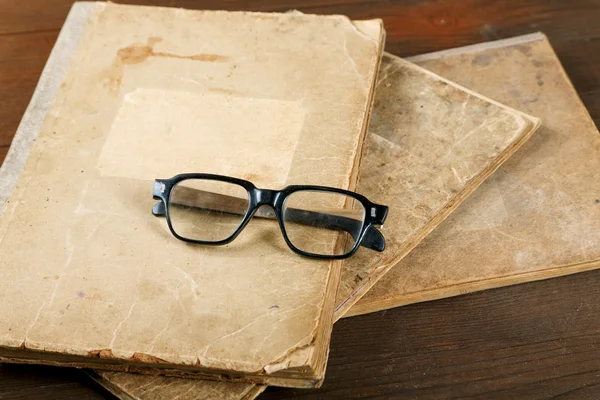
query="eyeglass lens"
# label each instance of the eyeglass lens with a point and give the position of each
(207, 210)
(323, 223)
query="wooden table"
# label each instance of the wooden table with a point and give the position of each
(537, 340)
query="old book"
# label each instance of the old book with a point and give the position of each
(539, 215)
(484, 153)
(91, 278)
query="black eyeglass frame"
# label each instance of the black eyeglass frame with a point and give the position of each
(375, 214)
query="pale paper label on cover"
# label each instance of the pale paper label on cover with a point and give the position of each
(171, 122)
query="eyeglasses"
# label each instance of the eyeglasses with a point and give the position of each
(315, 221)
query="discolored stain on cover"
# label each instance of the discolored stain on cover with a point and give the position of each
(138, 52)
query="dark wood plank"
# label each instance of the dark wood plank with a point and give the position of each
(22, 382)
(538, 340)
(578, 58)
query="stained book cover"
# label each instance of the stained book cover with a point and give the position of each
(90, 277)
(380, 150)
(539, 215)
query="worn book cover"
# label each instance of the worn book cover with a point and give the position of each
(431, 143)
(538, 216)
(91, 278)
(380, 150)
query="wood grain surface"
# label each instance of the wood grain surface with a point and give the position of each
(536, 340)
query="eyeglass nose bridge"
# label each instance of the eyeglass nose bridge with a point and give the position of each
(266, 196)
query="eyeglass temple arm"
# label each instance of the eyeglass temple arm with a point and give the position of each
(373, 238)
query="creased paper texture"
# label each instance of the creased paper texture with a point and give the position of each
(430, 143)
(90, 277)
(539, 215)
